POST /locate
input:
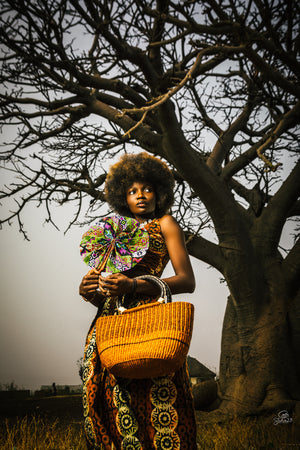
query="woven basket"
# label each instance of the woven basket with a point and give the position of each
(147, 341)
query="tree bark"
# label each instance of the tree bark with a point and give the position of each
(259, 369)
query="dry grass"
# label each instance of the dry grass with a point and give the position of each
(250, 434)
(36, 433)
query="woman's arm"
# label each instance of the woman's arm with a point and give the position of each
(183, 280)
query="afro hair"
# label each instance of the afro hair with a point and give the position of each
(140, 167)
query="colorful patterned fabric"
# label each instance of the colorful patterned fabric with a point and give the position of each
(119, 238)
(138, 414)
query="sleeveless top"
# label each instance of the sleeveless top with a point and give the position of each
(143, 414)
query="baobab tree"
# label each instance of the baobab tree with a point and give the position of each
(212, 87)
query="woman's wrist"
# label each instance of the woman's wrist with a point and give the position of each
(134, 284)
(88, 297)
(146, 287)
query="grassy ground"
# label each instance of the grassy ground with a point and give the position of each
(248, 433)
(55, 423)
(37, 433)
(48, 423)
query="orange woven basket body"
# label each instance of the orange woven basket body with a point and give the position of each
(147, 341)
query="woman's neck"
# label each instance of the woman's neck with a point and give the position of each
(144, 219)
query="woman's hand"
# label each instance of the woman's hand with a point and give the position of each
(89, 284)
(116, 284)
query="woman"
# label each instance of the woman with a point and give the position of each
(149, 413)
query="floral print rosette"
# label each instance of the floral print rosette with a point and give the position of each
(117, 243)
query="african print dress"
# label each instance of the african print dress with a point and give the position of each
(137, 414)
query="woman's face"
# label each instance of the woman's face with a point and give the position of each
(141, 199)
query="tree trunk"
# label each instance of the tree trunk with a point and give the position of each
(259, 367)
(260, 342)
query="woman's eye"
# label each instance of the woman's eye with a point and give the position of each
(148, 189)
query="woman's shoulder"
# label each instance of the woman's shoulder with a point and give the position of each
(168, 223)
(167, 218)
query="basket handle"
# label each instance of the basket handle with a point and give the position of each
(165, 293)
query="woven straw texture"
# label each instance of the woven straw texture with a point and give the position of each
(147, 341)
